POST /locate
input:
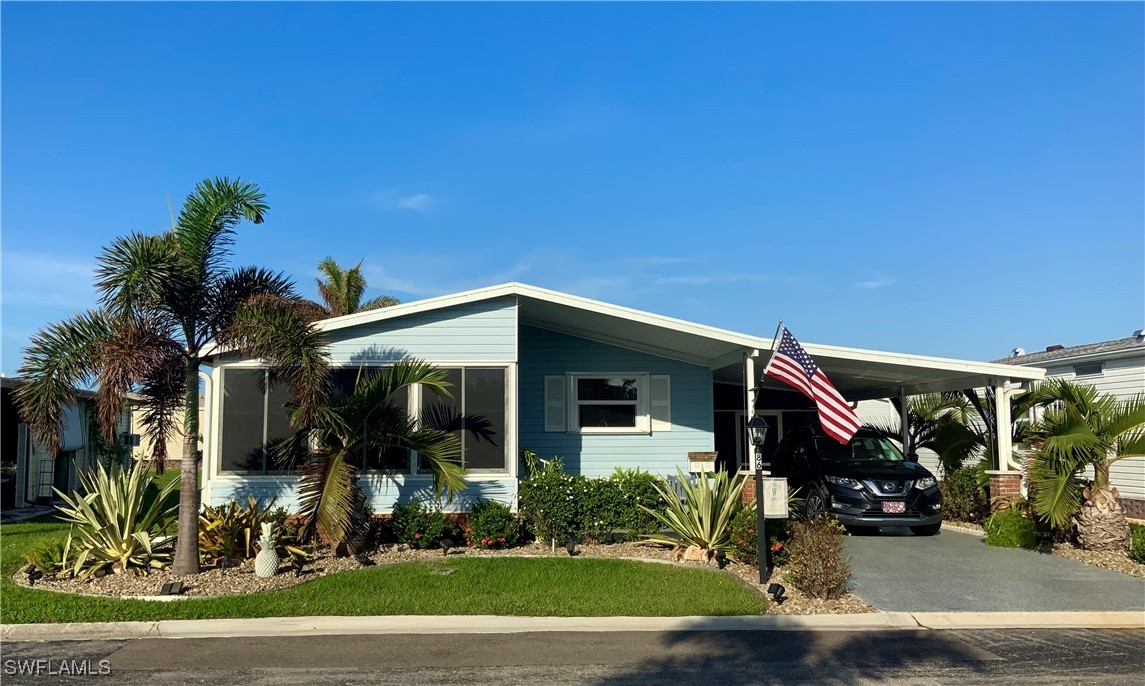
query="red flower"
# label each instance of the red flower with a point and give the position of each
(777, 546)
(501, 539)
(417, 535)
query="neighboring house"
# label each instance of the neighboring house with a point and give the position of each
(599, 385)
(146, 449)
(1115, 367)
(31, 472)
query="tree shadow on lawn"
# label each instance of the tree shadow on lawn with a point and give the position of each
(790, 657)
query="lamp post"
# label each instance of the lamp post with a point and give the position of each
(757, 431)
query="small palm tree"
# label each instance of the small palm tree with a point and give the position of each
(928, 416)
(343, 288)
(332, 455)
(1082, 429)
(164, 299)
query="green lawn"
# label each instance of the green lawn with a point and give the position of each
(495, 586)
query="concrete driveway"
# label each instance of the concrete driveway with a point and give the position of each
(956, 572)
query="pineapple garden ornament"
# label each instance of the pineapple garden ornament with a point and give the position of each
(266, 562)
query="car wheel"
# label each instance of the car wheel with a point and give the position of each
(816, 502)
(928, 530)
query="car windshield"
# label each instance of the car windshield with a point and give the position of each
(859, 448)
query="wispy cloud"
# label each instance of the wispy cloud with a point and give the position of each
(38, 280)
(713, 277)
(876, 283)
(392, 199)
(418, 203)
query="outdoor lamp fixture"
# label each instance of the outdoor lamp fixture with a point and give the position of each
(365, 560)
(757, 429)
(34, 574)
(570, 546)
(172, 588)
(297, 564)
(777, 591)
(446, 544)
(757, 432)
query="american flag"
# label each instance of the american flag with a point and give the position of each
(793, 366)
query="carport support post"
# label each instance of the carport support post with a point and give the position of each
(904, 419)
(1004, 429)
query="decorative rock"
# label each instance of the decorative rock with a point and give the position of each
(695, 553)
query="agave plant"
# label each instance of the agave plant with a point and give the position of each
(113, 527)
(703, 517)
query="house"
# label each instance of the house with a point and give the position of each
(1114, 367)
(30, 471)
(174, 444)
(600, 385)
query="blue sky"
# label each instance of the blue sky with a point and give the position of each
(943, 179)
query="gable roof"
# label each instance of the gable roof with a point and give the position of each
(1130, 345)
(858, 373)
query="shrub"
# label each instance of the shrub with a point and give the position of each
(232, 530)
(1137, 543)
(492, 525)
(51, 557)
(557, 506)
(815, 558)
(418, 526)
(745, 542)
(112, 530)
(1010, 529)
(703, 518)
(962, 497)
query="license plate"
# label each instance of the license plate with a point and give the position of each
(894, 506)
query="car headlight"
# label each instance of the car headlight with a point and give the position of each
(925, 483)
(846, 482)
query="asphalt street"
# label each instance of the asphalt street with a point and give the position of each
(1014, 656)
(956, 572)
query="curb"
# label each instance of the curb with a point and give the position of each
(488, 624)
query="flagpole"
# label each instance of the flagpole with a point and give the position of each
(763, 552)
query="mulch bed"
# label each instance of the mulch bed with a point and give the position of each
(1111, 560)
(241, 580)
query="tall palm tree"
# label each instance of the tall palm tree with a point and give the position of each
(366, 418)
(928, 416)
(343, 288)
(163, 300)
(1082, 429)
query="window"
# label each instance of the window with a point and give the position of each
(380, 458)
(607, 402)
(254, 417)
(478, 393)
(1091, 369)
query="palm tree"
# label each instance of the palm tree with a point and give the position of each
(163, 300)
(928, 416)
(1082, 429)
(343, 288)
(366, 418)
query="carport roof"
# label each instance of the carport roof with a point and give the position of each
(859, 374)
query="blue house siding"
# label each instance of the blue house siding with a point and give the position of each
(383, 493)
(544, 352)
(475, 332)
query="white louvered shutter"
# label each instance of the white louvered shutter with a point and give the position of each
(555, 403)
(660, 394)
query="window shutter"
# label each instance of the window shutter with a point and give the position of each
(660, 393)
(555, 403)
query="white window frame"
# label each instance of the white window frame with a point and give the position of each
(643, 408)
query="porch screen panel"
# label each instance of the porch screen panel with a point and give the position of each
(437, 410)
(278, 426)
(242, 420)
(485, 397)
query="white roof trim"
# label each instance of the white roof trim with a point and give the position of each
(1002, 371)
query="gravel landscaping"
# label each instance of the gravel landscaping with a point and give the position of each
(241, 580)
